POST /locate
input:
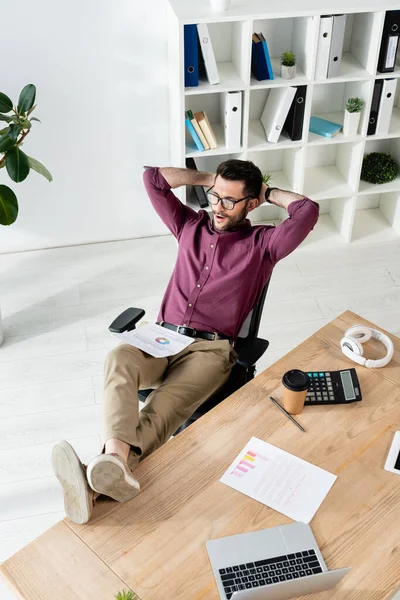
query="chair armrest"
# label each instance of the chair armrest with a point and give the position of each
(126, 320)
(251, 352)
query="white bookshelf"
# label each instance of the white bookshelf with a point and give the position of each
(326, 170)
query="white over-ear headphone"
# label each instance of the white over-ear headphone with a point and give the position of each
(357, 335)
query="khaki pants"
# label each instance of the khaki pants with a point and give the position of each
(182, 382)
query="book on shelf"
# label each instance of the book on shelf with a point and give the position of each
(259, 66)
(194, 135)
(198, 189)
(231, 111)
(191, 56)
(198, 129)
(206, 128)
(207, 53)
(324, 127)
(276, 110)
(267, 56)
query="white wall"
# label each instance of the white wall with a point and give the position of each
(100, 68)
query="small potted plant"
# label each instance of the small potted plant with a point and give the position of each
(352, 116)
(288, 65)
(379, 167)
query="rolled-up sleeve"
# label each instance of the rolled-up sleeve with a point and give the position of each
(169, 208)
(282, 240)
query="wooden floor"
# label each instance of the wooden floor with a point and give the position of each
(56, 307)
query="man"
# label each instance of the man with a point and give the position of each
(222, 266)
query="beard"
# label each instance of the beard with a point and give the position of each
(229, 222)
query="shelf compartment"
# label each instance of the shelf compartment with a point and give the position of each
(390, 146)
(377, 218)
(331, 170)
(296, 34)
(257, 139)
(329, 101)
(211, 104)
(284, 165)
(334, 223)
(230, 45)
(359, 55)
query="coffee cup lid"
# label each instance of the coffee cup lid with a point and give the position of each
(296, 380)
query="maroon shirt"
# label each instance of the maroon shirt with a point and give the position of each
(219, 275)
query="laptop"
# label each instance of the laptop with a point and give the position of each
(271, 564)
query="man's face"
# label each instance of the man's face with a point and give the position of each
(224, 219)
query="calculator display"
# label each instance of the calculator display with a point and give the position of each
(347, 385)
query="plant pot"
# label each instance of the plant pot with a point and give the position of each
(219, 5)
(351, 121)
(288, 72)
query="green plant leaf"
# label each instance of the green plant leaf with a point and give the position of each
(30, 111)
(2, 131)
(14, 131)
(8, 206)
(35, 119)
(26, 98)
(6, 143)
(17, 164)
(39, 168)
(5, 103)
(5, 118)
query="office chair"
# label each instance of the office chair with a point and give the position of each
(249, 347)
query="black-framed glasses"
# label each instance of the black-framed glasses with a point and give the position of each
(227, 203)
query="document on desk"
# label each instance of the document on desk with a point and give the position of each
(156, 340)
(289, 485)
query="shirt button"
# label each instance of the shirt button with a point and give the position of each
(207, 268)
(198, 285)
(190, 304)
(212, 246)
(184, 325)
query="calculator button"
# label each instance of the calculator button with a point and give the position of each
(321, 374)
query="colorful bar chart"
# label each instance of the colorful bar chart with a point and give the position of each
(247, 463)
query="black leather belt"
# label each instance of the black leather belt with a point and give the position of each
(194, 333)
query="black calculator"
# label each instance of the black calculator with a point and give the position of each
(333, 387)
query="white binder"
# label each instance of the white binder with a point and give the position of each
(386, 106)
(324, 46)
(231, 112)
(335, 55)
(208, 53)
(275, 111)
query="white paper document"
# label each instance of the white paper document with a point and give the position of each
(289, 485)
(156, 340)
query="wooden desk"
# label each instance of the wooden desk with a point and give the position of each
(155, 544)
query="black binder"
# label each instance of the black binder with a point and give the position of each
(198, 189)
(376, 100)
(294, 121)
(390, 42)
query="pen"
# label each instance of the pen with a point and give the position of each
(286, 413)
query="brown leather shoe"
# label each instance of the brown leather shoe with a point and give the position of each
(79, 498)
(110, 475)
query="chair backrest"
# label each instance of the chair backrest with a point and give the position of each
(252, 323)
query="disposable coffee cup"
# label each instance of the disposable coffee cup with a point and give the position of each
(295, 387)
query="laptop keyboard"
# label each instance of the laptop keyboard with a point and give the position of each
(268, 571)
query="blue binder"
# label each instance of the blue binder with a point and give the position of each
(191, 55)
(259, 64)
(194, 135)
(268, 60)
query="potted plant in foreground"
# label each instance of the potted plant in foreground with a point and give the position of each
(13, 161)
(288, 65)
(352, 116)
